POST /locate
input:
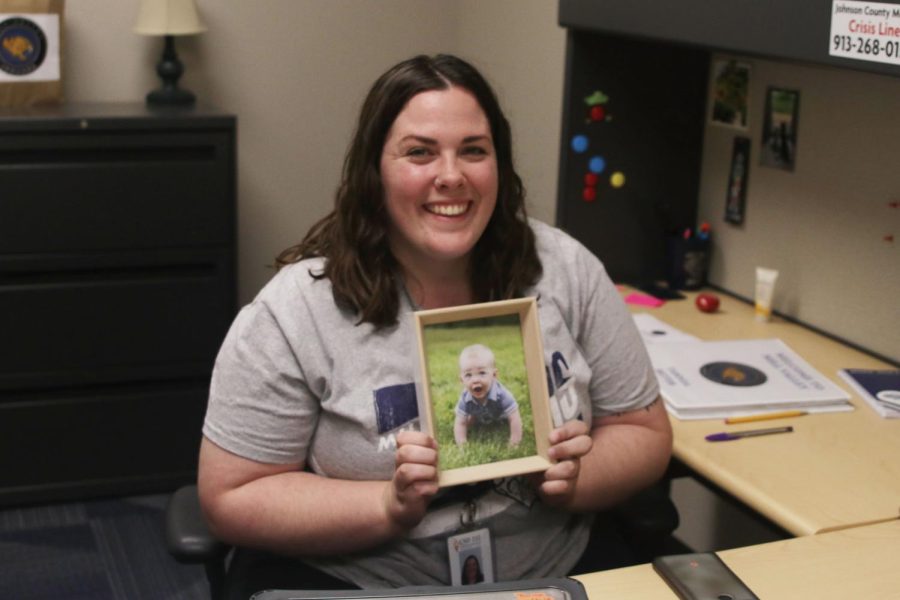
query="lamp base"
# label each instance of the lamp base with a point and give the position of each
(169, 69)
(171, 97)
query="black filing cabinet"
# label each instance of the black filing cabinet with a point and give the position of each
(117, 285)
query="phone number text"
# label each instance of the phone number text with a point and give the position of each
(867, 46)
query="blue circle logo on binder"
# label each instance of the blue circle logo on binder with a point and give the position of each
(23, 46)
(731, 373)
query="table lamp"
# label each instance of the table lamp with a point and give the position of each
(169, 18)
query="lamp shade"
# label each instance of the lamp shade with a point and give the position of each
(168, 17)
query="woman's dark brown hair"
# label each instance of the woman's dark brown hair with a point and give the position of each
(354, 236)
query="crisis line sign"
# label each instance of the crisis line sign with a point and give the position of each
(865, 31)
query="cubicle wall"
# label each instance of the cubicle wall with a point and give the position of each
(631, 147)
(830, 224)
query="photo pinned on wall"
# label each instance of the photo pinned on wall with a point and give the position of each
(483, 390)
(731, 90)
(736, 197)
(779, 136)
(31, 43)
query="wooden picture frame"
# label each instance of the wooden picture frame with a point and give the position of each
(779, 135)
(738, 174)
(511, 330)
(730, 94)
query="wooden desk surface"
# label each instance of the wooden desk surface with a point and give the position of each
(835, 470)
(860, 562)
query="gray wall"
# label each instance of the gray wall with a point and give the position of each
(295, 73)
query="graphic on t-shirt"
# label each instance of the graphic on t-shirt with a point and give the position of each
(566, 404)
(395, 410)
(560, 373)
(395, 406)
(516, 488)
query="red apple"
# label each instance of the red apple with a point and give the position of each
(707, 302)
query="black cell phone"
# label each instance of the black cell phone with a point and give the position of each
(701, 576)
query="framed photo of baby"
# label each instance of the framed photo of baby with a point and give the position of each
(483, 389)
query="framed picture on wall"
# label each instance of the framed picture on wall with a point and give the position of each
(31, 35)
(736, 197)
(779, 136)
(483, 390)
(731, 89)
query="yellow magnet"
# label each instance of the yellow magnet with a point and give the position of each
(617, 179)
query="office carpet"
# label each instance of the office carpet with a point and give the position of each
(95, 550)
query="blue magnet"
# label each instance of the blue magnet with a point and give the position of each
(597, 164)
(579, 143)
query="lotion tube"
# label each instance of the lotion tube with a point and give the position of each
(765, 289)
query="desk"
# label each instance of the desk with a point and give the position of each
(836, 470)
(852, 563)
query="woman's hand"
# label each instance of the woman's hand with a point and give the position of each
(407, 495)
(568, 444)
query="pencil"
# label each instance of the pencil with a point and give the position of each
(766, 416)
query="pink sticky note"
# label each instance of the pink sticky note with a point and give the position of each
(643, 300)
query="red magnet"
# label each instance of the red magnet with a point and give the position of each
(597, 113)
(589, 194)
(591, 180)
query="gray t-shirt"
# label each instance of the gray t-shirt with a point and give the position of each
(297, 380)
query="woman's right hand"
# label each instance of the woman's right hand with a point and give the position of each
(415, 479)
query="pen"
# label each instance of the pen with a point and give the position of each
(765, 416)
(736, 435)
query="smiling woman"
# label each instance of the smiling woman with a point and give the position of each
(313, 446)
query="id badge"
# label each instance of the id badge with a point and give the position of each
(471, 557)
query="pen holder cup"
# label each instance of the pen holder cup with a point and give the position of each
(687, 261)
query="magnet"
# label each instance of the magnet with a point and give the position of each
(617, 179)
(591, 179)
(597, 113)
(579, 143)
(597, 164)
(589, 194)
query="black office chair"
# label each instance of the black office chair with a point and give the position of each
(646, 522)
(190, 541)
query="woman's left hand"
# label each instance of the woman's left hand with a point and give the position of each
(568, 444)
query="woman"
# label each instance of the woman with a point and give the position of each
(471, 571)
(310, 444)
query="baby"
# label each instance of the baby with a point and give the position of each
(484, 400)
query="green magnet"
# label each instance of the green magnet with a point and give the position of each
(596, 98)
